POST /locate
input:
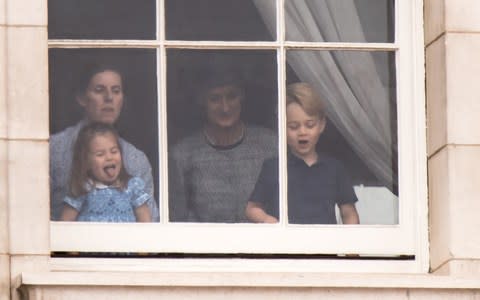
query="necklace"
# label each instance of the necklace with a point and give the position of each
(231, 143)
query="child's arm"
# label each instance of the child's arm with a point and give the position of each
(69, 213)
(349, 214)
(255, 213)
(142, 213)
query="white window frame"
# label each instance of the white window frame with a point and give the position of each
(408, 238)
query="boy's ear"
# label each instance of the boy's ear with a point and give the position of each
(323, 124)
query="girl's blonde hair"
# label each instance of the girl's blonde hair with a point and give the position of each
(303, 94)
(79, 176)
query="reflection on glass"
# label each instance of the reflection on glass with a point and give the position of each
(103, 85)
(221, 122)
(105, 19)
(360, 135)
(339, 20)
(220, 20)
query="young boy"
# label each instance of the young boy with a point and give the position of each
(316, 182)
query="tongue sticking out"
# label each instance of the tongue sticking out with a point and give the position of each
(110, 170)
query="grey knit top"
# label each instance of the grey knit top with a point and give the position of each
(209, 184)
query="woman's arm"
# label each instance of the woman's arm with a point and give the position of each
(255, 213)
(137, 164)
(349, 214)
(178, 190)
(142, 213)
(68, 213)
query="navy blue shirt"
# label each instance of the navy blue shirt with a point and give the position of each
(313, 190)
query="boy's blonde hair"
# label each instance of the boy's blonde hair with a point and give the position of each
(303, 94)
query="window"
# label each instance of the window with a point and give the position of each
(362, 57)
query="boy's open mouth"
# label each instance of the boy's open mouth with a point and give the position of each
(110, 170)
(303, 142)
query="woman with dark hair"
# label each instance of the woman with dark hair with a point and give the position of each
(213, 171)
(100, 93)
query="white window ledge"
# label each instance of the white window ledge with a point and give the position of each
(241, 279)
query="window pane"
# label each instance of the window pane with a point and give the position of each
(104, 19)
(354, 149)
(223, 20)
(340, 21)
(221, 127)
(74, 97)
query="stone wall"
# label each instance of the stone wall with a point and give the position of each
(452, 42)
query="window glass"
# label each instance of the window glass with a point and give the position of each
(369, 21)
(105, 19)
(135, 111)
(221, 126)
(223, 20)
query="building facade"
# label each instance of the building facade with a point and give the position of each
(451, 41)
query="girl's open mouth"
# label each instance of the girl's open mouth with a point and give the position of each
(110, 170)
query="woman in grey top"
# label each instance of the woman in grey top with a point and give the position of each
(213, 171)
(100, 94)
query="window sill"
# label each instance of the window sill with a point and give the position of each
(236, 265)
(242, 279)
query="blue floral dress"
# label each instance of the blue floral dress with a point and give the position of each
(110, 204)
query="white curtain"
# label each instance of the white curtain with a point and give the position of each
(358, 102)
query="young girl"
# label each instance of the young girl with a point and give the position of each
(100, 189)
